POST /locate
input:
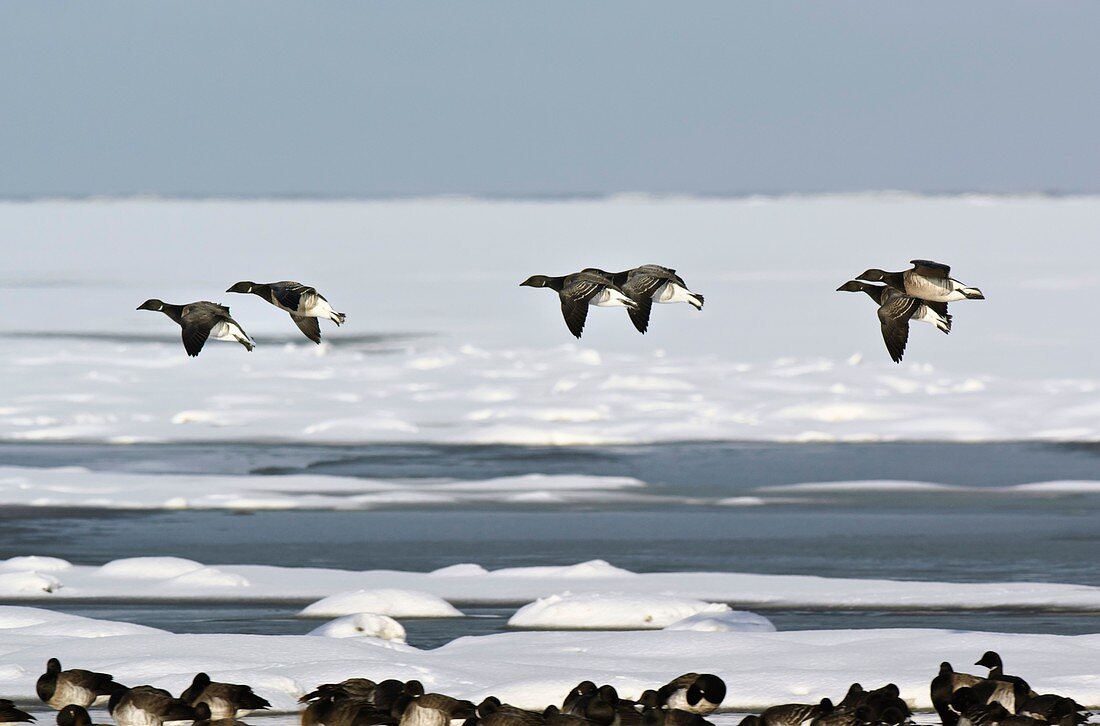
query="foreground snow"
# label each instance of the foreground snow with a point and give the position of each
(156, 578)
(534, 669)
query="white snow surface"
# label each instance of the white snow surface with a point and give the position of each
(517, 586)
(776, 354)
(362, 625)
(533, 669)
(609, 611)
(395, 603)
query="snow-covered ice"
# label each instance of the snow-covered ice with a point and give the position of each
(473, 584)
(532, 669)
(394, 603)
(609, 611)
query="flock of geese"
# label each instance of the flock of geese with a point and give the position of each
(918, 294)
(960, 699)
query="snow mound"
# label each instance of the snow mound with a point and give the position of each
(13, 583)
(614, 611)
(464, 569)
(35, 563)
(730, 621)
(209, 577)
(395, 603)
(150, 568)
(363, 625)
(591, 568)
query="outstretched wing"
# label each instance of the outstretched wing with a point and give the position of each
(893, 316)
(194, 337)
(309, 327)
(640, 315)
(289, 294)
(575, 297)
(928, 268)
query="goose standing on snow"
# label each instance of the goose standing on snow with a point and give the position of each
(650, 284)
(226, 700)
(927, 280)
(943, 689)
(58, 688)
(303, 302)
(436, 709)
(895, 310)
(700, 693)
(201, 320)
(795, 714)
(580, 290)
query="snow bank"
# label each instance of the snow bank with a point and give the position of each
(729, 621)
(532, 669)
(362, 625)
(611, 611)
(395, 603)
(517, 586)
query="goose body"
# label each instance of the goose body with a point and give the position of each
(225, 700)
(896, 310)
(201, 320)
(58, 688)
(927, 280)
(578, 292)
(304, 304)
(694, 693)
(796, 714)
(436, 709)
(944, 686)
(148, 706)
(650, 284)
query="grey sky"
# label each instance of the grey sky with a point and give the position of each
(208, 97)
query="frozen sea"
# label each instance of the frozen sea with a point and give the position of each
(453, 421)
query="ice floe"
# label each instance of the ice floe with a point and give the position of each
(518, 586)
(609, 611)
(394, 603)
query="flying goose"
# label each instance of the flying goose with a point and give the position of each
(895, 311)
(226, 700)
(650, 284)
(303, 302)
(10, 714)
(201, 320)
(148, 706)
(578, 291)
(927, 280)
(57, 688)
(693, 692)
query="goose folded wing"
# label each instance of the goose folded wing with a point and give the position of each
(289, 294)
